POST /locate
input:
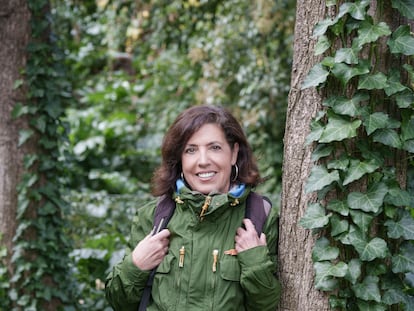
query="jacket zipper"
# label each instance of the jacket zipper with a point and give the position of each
(205, 206)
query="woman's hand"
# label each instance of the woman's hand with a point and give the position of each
(151, 250)
(247, 237)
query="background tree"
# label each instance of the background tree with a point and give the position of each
(359, 206)
(34, 252)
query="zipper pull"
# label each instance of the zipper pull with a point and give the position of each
(181, 261)
(215, 257)
(205, 207)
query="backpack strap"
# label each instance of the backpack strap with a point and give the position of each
(256, 210)
(163, 213)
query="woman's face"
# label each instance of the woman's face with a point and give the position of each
(207, 160)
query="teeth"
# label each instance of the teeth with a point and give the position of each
(206, 175)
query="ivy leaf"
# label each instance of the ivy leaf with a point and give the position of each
(338, 225)
(409, 145)
(322, 26)
(347, 55)
(388, 137)
(402, 41)
(356, 10)
(354, 270)
(361, 219)
(323, 251)
(319, 178)
(345, 72)
(405, 99)
(370, 306)
(404, 261)
(368, 290)
(394, 296)
(321, 151)
(344, 106)
(339, 129)
(24, 135)
(339, 164)
(322, 45)
(370, 82)
(370, 33)
(357, 169)
(393, 83)
(317, 75)
(325, 273)
(403, 228)
(407, 128)
(379, 120)
(405, 7)
(398, 197)
(370, 201)
(341, 207)
(314, 217)
(376, 248)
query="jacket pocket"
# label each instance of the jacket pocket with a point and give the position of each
(165, 265)
(230, 268)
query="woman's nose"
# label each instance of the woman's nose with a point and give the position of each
(203, 158)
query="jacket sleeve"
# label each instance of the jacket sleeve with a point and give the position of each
(125, 283)
(258, 270)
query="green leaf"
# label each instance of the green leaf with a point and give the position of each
(322, 26)
(403, 228)
(325, 274)
(388, 137)
(394, 296)
(345, 72)
(347, 55)
(315, 133)
(379, 120)
(370, 201)
(402, 41)
(370, 306)
(338, 225)
(314, 217)
(338, 164)
(340, 207)
(393, 83)
(370, 82)
(356, 10)
(405, 99)
(24, 135)
(320, 178)
(398, 197)
(321, 151)
(339, 129)
(368, 33)
(376, 248)
(344, 106)
(409, 145)
(357, 169)
(322, 45)
(404, 260)
(405, 7)
(362, 220)
(323, 251)
(368, 290)
(354, 270)
(317, 75)
(407, 127)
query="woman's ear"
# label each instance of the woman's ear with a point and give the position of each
(235, 153)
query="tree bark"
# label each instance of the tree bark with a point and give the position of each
(14, 38)
(295, 245)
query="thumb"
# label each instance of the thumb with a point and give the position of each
(263, 239)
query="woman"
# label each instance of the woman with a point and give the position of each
(210, 256)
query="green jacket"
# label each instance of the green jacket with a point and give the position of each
(243, 282)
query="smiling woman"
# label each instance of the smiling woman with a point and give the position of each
(208, 257)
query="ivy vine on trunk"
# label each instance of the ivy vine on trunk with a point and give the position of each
(364, 139)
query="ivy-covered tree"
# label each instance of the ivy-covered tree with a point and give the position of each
(34, 271)
(351, 105)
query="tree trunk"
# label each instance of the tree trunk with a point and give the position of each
(14, 38)
(295, 245)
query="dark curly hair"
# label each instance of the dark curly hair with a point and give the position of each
(185, 125)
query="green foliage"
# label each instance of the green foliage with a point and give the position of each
(364, 256)
(40, 248)
(134, 66)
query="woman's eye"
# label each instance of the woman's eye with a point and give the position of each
(190, 150)
(216, 147)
